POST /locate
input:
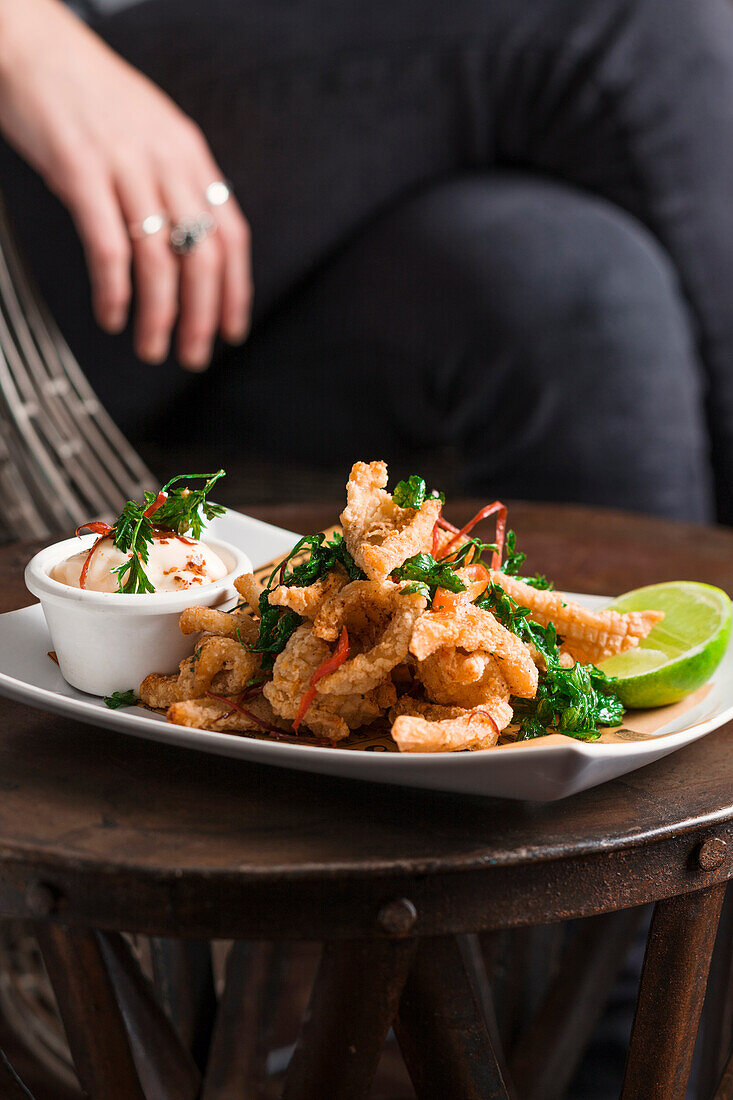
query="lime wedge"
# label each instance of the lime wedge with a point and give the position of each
(682, 651)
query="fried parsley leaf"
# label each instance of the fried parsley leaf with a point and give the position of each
(324, 556)
(429, 575)
(413, 492)
(515, 559)
(121, 699)
(576, 700)
(277, 624)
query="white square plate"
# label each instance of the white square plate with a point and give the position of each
(548, 768)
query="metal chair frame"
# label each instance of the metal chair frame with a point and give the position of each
(63, 460)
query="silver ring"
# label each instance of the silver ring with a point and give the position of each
(148, 227)
(188, 233)
(218, 192)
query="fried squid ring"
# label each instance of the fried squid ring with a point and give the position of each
(454, 678)
(380, 621)
(223, 623)
(426, 727)
(307, 602)
(380, 535)
(223, 714)
(250, 589)
(219, 664)
(473, 629)
(330, 717)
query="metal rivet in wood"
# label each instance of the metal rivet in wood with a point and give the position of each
(397, 917)
(712, 853)
(42, 899)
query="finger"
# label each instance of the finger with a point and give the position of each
(237, 289)
(155, 267)
(96, 212)
(200, 283)
(235, 240)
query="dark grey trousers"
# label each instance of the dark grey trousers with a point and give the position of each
(500, 228)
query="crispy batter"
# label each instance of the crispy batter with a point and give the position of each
(226, 624)
(473, 629)
(307, 602)
(445, 677)
(218, 664)
(211, 714)
(160, 691)
(425, 727)
(379, 620)
(220, 655)
(331, 717)
(250, 589)
(379, 535)
(588, 636)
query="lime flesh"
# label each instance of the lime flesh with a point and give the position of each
(682, 651)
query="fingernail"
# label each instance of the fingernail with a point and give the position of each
(113, 321)
(195, 356)
(236, 335)
(155, 352)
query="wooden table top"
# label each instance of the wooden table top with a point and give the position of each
(88, 806)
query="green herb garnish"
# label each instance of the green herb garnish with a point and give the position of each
(180, 510)
(324, 556)
(514, 562)
(576, 700)
(277, 624)
(414, 492)
(428, 575)
(121, 699)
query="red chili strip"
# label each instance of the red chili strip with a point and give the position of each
(444, 523)
(156, 504)
(242, 710)
(98, 527)
(331, 663)
(436, 537)
(480, 710)
(489, 510)
(87, 561)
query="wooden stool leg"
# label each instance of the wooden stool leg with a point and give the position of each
(717, 1014)
(352, 1005)
(165, 1066)
(441, 1029)
(91, 1015)
(671, 995)
(725, 1088)
(549, 1050)
(245, 1021)
(184, 979)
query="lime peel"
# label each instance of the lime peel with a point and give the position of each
(681, 653)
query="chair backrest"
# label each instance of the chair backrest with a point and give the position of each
(62, 458)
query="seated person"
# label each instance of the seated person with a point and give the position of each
(496, 233)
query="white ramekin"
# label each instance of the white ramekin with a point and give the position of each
(110, 641)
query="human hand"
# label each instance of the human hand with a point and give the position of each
(116, 149)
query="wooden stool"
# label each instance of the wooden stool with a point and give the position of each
(102, 834)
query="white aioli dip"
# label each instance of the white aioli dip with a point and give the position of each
(173, 565)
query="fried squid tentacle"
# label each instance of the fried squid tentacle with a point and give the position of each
(588, 636)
